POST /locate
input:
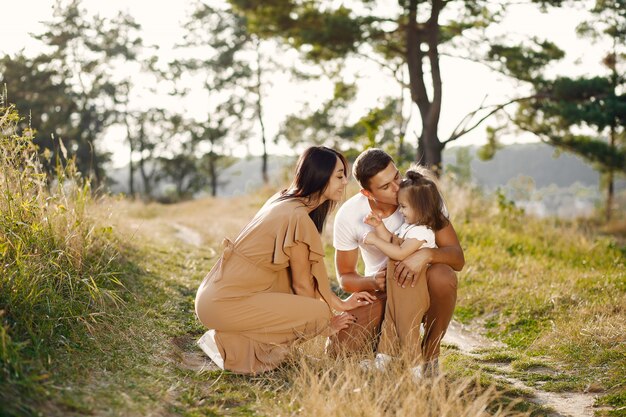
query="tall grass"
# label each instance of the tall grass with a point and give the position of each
(59, 270)
(314, 384)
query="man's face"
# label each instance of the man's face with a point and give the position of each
(384, 186)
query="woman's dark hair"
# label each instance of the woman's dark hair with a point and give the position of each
(313, 171)
(424, 197)
(368, 164)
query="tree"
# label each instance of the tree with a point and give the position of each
(583, 115)
(326, 125)
(217, 38)
(41, 93)
(149, 128)
(257, 89)
(69, 89)
(411, 35)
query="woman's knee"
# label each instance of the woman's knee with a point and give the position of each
(442, 280)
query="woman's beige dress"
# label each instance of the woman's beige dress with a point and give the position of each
(247, 296)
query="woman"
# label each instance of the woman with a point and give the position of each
(270, 287)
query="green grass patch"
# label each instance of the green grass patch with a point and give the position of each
(497, 356)
(547, 288)
(61, 271)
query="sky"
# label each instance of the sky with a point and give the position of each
(466, 84)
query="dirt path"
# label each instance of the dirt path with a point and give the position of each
(187, 235)
(565, 404)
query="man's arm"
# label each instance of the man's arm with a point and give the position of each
(349, 279)
(448, 252)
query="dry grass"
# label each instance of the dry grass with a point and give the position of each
(316, 385)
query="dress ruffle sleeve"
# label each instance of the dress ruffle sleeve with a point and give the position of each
(300, 228)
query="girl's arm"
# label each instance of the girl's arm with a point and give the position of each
(393, 251)
(373, 219)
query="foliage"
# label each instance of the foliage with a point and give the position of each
(216, 39)
(527, 280)
(525, 62)
(60, 273)
(328, 125)
(69, 90)
(411, 35)
(565, 106)
(585, 115)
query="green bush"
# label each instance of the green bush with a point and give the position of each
(60, 271)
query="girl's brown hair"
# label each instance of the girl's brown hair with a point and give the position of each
(424, 197)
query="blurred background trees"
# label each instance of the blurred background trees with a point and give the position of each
(96, 79)
(584, 115)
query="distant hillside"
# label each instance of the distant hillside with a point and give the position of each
(539, 179)
(562, 184)
(536, 160)
(245, 175)
(241, 177)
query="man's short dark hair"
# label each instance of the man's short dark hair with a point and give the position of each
(368, 164)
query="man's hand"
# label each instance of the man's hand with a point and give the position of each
(409, 270)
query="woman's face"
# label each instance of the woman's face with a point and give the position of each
(410, 216)
(336, 184)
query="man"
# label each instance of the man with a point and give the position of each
(379, 180)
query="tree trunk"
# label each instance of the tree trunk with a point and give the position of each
(131, 168)
(429, 146)
(430, 149)
(213, 173)
(610, 186)
(147, 187)
(259, 112)
(131, 174)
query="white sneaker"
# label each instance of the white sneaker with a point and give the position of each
(382, 361)
(208, 346)
(379, 363)
(426, 371)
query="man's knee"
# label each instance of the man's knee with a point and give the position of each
(442, 280)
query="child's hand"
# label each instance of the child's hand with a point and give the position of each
(373, 219)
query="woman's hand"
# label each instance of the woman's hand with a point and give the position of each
(358, 299)
(340, 322)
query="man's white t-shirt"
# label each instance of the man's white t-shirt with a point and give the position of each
(349, 229)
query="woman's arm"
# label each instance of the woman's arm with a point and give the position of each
(301, 277)
(396, 252)
(302, 282)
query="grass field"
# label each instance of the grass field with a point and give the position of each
(97, 312)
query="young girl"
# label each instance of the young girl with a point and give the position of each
(424, 213)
